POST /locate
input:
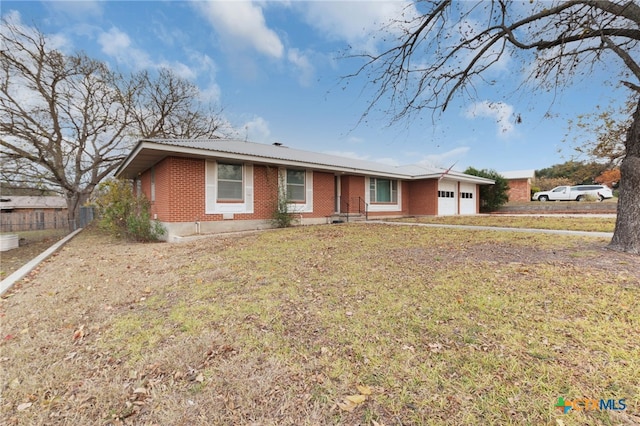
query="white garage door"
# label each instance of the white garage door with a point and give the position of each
(468, 198)
(447, 197)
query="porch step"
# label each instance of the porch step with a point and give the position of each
(346, 217)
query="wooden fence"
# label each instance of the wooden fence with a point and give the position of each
(33, 220)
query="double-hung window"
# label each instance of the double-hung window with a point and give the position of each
(383, 190)
(296, 186)
(230, 184)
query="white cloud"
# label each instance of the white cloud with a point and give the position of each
(355, 140)
(80, 10)
(257, 130)
(355, 21)
(501, 112)
(241, 24)
(205, 68)
(303, 66)
(53, 41)
(445, 159)
(117, 44)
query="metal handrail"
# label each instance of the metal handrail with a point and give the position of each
(366, 208)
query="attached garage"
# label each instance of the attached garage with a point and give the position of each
(468, 198)
(447, 197)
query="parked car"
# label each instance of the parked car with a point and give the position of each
(577, 193)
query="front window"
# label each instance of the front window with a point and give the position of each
(295, 185)
(383, 190)
(230, 182)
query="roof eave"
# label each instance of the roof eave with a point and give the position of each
(161, 151)
(210, 153)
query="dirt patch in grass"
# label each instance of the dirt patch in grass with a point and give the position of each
(350, 324)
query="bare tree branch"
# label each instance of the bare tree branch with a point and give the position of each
(67, 121)
(455, 44)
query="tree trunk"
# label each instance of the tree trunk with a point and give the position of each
(75, 200)
(626, 236)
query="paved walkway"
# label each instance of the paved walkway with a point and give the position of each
(499, 228)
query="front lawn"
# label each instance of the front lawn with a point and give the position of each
(353, 324)
(570, 223)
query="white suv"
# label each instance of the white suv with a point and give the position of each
(578, 193)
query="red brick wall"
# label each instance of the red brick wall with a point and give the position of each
(180, 192)
(519, 190)
(423, 197)
(160, 206)
(323, 195)
(406, 196)
(265, 193)
(163, 181)
(351, 187)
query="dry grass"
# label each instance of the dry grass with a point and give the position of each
(278, 328)
(32, 243)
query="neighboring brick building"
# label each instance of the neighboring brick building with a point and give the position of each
(519, 184)
(203, 186)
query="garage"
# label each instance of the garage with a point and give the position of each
(447, 197)
(468, 198)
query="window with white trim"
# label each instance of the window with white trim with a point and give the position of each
(383, 190)
(296, 186)
(230, 183)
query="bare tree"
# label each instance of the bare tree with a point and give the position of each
(169, 107)
(67, 121)
(447, 48)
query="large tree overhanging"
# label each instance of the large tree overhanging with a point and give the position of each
(448, 47)
(66, 121)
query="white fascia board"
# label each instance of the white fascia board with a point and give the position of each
(133, 154)
(212, 154)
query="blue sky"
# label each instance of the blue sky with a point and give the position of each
(276, 68)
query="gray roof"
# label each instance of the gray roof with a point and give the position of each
(10, 202)
(149, 151)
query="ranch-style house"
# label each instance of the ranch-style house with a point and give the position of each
(220, 185)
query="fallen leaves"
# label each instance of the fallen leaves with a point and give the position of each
(79, 333)
(364, 390)
(24, 406)
(350, 402)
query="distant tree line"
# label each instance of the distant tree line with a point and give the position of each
(576, 173)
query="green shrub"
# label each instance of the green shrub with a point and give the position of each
(534, 189)
(492, 197)
(281, 217)
(124, 214)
